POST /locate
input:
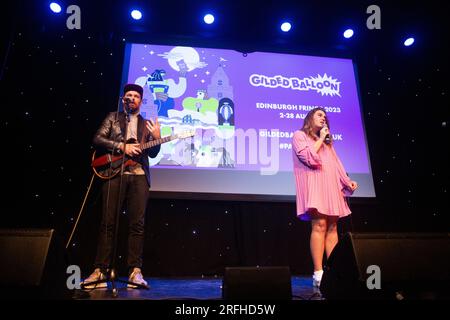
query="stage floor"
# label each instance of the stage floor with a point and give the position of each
(189, 289)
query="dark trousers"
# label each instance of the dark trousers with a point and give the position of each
(135, 193)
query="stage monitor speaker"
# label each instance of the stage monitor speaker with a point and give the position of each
(388, 266)
(33, 265)
(257, 283)
(23, 256)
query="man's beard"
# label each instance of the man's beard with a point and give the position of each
(131, 110)
(134, 111)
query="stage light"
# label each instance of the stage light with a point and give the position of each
(55, 7)
(348, 33)
(136, 14)
(285, 26)
(408, 42)
(208, 18)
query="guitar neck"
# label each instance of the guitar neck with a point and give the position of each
(156, 142)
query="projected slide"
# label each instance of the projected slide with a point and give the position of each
(243, 109)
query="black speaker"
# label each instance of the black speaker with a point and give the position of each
(32, 264)
(23, 254)
(388, 266)
(257, 283)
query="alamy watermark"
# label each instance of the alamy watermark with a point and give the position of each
(374, 280)
(74, 20)
(256, 148)
(374, 20)
(74, 279)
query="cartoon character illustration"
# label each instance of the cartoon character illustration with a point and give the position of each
(164, 91)
(209, 109)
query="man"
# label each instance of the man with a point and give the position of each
(112, 137)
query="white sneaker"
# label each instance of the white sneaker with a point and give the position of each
(95, 276)
(316, 283)
(136, 277)
(317, 278)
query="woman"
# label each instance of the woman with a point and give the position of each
(321, 184)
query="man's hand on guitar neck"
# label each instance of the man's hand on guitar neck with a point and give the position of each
(131, 149)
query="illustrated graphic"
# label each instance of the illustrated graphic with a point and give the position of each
(205, 105)
(226, 112)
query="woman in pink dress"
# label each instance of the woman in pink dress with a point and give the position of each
(321, 185)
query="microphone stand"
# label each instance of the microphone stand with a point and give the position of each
(112, 275)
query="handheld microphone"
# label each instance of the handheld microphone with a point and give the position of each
(327, 139)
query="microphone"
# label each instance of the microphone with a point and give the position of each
(327, 139)
(126, 106)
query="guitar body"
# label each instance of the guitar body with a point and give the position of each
(107, 166)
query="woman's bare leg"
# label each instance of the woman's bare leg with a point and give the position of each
(331, 237)
(317, 241)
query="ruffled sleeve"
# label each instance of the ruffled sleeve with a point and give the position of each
(343, 177)
(304, 151)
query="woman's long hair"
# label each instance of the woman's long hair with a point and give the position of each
(308, 124)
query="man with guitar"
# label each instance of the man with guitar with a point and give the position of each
(118, 145)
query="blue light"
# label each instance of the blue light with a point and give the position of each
(56, 8)
(286, 26)
(408, 42)
(208, 18)
(348, 33)
(136, 14)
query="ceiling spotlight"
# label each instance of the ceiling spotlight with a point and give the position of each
(55, 7)
(208, 18)
(348, 33)
(408, 42)
(136, 14)
(286, 26)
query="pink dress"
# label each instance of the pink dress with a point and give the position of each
(320, 178)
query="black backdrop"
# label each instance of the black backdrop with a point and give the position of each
(58, 84)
